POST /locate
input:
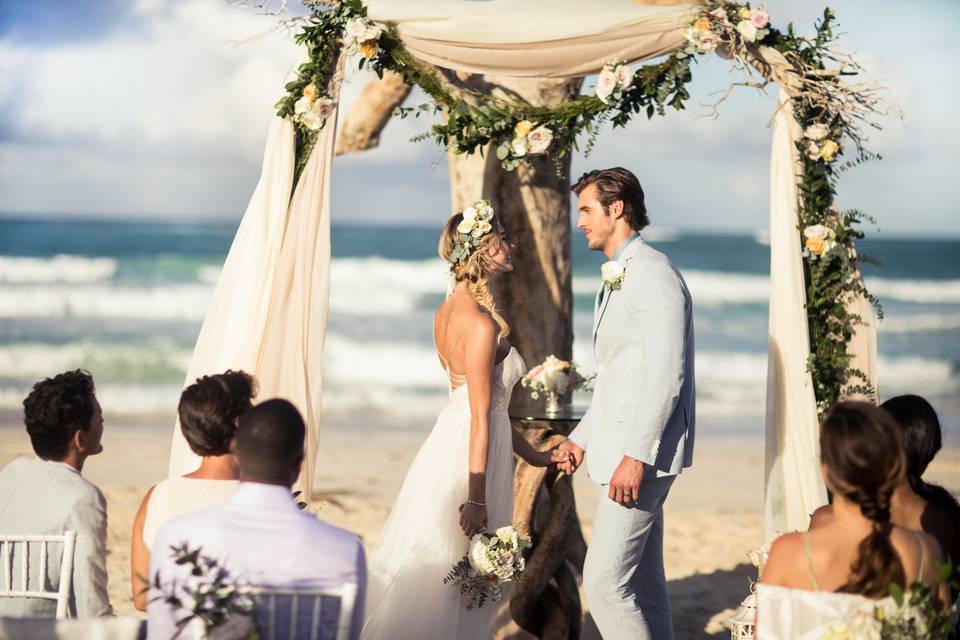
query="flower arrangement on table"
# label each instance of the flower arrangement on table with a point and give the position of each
(491, 561)
(553, 377)
(216, 604)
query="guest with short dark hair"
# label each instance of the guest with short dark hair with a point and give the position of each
(47, 495)
(209, 411)
(260, 534)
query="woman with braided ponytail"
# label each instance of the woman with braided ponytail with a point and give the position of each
(823, 576)
(461, 481)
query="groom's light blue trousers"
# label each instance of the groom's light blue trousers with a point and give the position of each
(623, 576)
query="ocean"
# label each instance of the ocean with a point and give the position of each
(125, 300)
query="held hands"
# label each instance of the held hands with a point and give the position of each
(473, 518)
(556, 457)
(573, 457)
(625, 483)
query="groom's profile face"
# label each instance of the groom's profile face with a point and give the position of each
(594, 220)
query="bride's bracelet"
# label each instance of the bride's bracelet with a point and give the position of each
(475, 503)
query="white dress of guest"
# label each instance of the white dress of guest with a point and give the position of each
(263, 538)
(799, 614)
(174, 497)
(48, 498)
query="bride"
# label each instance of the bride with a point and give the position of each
(461, 481)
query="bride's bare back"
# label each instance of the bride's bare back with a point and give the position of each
(457, 318)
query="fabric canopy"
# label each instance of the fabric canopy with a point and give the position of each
(532, 38)
(269, 310)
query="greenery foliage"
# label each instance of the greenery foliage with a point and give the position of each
(827, 106)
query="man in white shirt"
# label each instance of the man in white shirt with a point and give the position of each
(260, 535)
(47, 495)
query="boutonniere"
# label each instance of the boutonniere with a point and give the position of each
(612, 274)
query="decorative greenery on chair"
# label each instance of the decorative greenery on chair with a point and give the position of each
(831, 108)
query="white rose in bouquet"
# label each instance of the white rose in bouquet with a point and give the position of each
(508, 536)
(477, 554)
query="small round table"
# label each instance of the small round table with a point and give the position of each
(546, 600)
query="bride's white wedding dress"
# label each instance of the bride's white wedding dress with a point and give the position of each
(406, 597)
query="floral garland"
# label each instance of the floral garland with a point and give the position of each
(829, 110)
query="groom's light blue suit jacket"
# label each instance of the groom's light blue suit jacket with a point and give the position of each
(643, 399)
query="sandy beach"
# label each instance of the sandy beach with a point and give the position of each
(713, 514)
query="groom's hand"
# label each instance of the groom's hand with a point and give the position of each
(574, 457)
(625, 483)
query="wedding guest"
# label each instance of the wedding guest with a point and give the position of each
(260, 534)
(208, 410)
(47, 495)
(917, 504)
(817, 578)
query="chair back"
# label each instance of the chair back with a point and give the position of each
(15, 552)
(295, 614)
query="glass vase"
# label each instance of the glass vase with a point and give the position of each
(552, 403)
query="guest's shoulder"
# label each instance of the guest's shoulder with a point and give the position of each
(784, 555)
(331, 533)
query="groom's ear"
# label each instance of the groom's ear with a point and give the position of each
(616, 209)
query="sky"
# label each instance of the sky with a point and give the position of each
(152, 109)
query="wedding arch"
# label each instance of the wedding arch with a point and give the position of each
(269, 310)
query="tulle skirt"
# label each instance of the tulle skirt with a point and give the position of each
(422, 540)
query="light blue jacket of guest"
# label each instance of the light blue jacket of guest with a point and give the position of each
(643, 402)
(42, 497)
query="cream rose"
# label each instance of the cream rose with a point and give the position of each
(720, 15)
(519, 146)
(312, 120)
(744, 13)
(747, 30)
(813, 151)
(816, 132)
(356, 28)
(310, 91)
(508, 536)
(539, 139)
(302, 105)
(624, 75)
(612, 273)
(477, 555)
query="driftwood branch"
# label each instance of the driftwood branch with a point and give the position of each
(368, 116)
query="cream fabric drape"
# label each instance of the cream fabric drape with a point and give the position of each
(793, 486)
(268, 314)
(530, 38)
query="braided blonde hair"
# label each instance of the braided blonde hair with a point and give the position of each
(474, 268)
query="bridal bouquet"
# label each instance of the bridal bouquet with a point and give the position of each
(491, 560)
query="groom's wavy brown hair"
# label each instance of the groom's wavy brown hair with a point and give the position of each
(615, 184)
(860, 447)
(473, 270)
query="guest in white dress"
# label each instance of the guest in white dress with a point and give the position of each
(208, 410)
(844, 568)
(260, 535)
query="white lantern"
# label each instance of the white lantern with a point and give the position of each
(741, 623)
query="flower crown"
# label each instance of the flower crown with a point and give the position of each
(475, 225)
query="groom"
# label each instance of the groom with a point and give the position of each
(637, 434)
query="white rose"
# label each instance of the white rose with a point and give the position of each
(606, 84)
(519, 146)
(813, 150)
(816, 132)
(748, 30)
(465, 226)
(370, 33)
(507, 536)
(708, 41)
(611, 271)
(312, 120)
(356, 28)
(470, 214)
(480, 228)
(624, 75)
(323, 107)
(302, 105)
(815, 231)
(540, 139)
(477, 555)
